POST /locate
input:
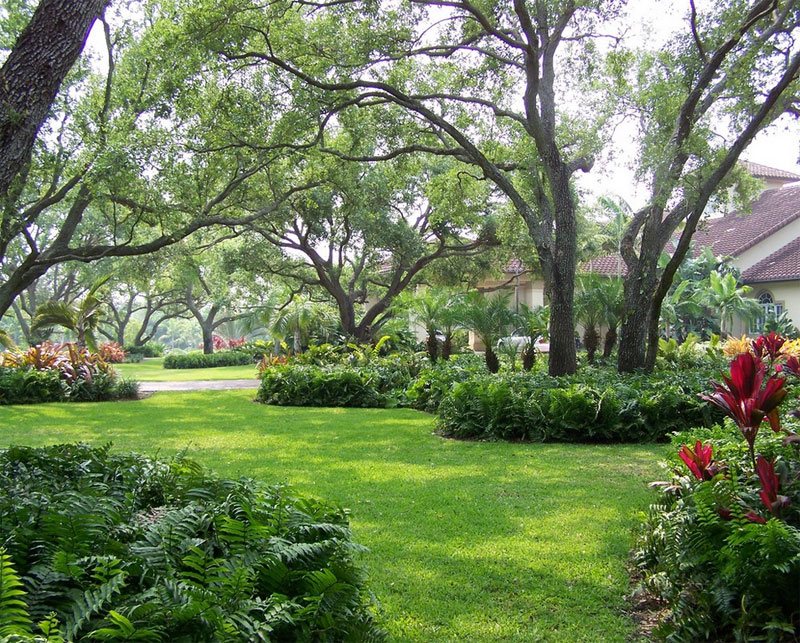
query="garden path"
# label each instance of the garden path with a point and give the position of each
(199, 385)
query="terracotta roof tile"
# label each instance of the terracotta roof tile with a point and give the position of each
(781, 265)
(610, 265)
(766, 172)
(736, 232)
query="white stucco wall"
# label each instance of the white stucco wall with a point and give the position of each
(766, 247)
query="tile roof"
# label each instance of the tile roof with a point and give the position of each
(610, 265)
(736, 232)
(781, 265)
(765, 172)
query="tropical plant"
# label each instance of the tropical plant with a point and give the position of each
(589, 312)
(82, 318)
(725, 295)
(722, 546)
(296, 319)
(488, 317)
(533, 323)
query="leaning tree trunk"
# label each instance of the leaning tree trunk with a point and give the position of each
(640, 286)
(32, 74)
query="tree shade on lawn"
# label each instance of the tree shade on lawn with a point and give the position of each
(469, 541)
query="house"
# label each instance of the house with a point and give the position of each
(763, 243)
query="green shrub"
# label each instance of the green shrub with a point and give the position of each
(725, 566)
(150, 349)
(29, 386)
(435, 381)
(103, 546)
(596, 405)
(307, 385)
(196, 359)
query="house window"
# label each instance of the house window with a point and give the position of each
(770, 310)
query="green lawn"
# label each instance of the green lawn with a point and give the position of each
(152, 370)
(469, 541)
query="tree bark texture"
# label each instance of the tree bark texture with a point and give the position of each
(42, 56)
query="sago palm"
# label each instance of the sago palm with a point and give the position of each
(488, 318)
(81, 318)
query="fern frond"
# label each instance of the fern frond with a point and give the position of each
(14, 616)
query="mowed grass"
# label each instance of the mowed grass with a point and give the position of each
(152, 370)
(469, 541)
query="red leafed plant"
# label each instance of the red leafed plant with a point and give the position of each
(748, 399)
(112, 353)
(769, 346)
(700, 460)
(770, 485)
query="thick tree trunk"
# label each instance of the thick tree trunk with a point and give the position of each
(30, 78)
(208, 337)
(636, 322)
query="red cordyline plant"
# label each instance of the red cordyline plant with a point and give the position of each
(770, 485)
(769, 347)
(700, 460)
(748, 399)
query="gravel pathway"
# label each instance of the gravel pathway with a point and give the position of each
(200, 385)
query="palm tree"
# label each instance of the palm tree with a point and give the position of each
(726, 296)
(296, 319)
(437, 311)
(589, 312)
(609, 292)
(488, 318)
(533, 323)
(81, 318)
(426, 309)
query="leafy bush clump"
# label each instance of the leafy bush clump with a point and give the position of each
(150, 349)
(196, 359)
(435, 381)
(102, 546)
(58, 372)
(593, 406)
(721, 546)
(307, 385)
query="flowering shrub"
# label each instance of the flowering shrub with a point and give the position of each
(722, 545)
(83, 376)
(220, 343)
(112, 353)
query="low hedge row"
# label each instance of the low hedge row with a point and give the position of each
(596, 405)
(582, 408)
(197, 359)
(308, 385)
(104, 546)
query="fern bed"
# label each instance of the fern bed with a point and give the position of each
(468, 540)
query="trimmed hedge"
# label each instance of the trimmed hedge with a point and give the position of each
(196, 359)
(102, 546)
(308, 385)
(594, 406)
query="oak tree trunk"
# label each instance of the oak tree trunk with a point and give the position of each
(30, 78)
